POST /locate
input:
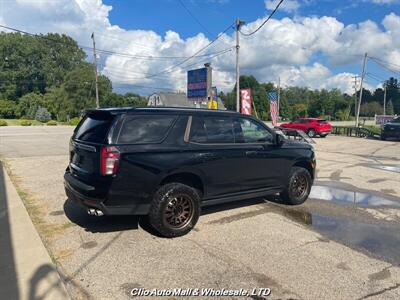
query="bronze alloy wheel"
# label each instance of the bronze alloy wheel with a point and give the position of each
(299, 185)
(179, 211)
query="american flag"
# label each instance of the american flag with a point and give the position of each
(273, 106)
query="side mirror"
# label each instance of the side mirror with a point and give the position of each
(279, 139)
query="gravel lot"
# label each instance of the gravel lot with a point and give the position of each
(343, 243)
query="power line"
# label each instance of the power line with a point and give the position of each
(269, 17)
(184, 67)
(103, 51)
(384, 66)
(170, 69)
(385, 62)
(194, 18)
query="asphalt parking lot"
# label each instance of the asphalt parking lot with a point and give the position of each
(342, 243)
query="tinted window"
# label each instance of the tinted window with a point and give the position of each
(198, 131)
(212, 130)
(250, 131)
(138, 129)
(396, 120)
(94, 128)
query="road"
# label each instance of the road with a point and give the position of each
(342, 243)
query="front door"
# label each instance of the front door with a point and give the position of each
(265, 163)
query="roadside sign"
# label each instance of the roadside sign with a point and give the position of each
(383, 119)
(246, 101)
(197, 83)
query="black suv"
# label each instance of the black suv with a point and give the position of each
(391, 129)
(169, 162)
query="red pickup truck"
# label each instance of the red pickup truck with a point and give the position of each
(311, 126)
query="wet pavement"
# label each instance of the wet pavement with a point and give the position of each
(347, 217)
(392, 168)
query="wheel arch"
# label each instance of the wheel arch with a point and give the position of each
(187, 178)
(306, 165)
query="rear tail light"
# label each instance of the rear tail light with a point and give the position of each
(109, 160)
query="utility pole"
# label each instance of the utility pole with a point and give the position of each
(95, 71)
(355, 94)
(361, 86)
(384, 99)
(279, 93)
(239, 23)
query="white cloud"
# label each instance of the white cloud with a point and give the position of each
(382, 2)
(286, 47)
(287, 5)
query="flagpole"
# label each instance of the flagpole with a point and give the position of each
(279, 94)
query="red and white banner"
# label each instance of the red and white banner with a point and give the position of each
(246, 101)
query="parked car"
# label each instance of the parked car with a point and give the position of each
(311, 126)
(167, 163)
(391, 129)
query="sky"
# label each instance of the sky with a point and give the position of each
(311, 43)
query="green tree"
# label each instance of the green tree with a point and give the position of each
(28, 104)
(42, 115)
(7, 109)
(32, 64)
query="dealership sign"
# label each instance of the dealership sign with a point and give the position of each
(383, 119)
(246, 101)
(197, 83)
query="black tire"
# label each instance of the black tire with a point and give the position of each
(323, 135)
(311, 133)
(383, 137)
(175, 209)
(298, 187)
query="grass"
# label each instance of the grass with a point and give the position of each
(17, 122)
(38, 212)
(374, 129)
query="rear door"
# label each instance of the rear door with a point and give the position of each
(85, 145)
(216, 155)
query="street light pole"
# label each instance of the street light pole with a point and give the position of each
(384, 100)
(239, 23)
(361, 86)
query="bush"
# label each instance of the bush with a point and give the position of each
(42, 115)
(26, 123)
(3, 123)
(52, 123)
(7, 109)
(74, 121)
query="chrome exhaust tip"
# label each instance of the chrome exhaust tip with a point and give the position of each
(99, 213)
(91, 211)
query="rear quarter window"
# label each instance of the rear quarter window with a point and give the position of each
(142, 129)
(94, 128)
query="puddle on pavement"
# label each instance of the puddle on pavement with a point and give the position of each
(381, 239)
(392, 168)
(357, 198)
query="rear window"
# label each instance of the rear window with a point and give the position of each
(94, 128)
(322, 122)
(138, 129)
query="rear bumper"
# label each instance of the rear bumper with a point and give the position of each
(81, 194)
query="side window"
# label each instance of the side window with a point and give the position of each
(252, 132)
(219, 129)
(198, 131)
(211, 130)
(140, 129)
